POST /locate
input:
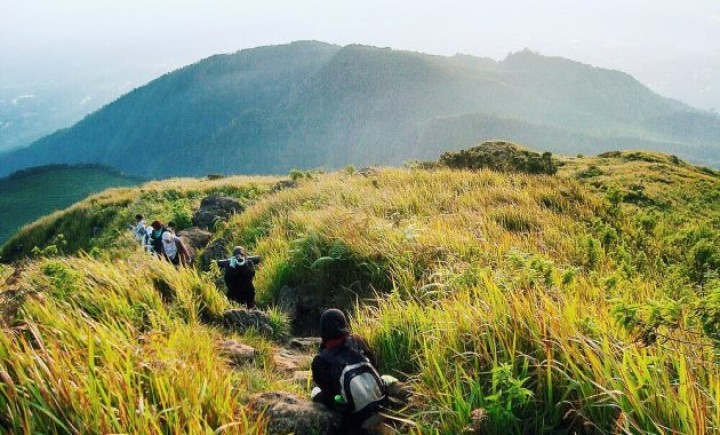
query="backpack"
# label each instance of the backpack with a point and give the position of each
(361, 387)
(156, 241)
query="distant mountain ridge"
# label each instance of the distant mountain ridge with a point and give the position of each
(310, 104)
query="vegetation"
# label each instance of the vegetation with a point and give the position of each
(268, 110)
(500, 156)
(101, 222)
(32, 193)
(585, 301)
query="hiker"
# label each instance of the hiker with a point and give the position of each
(139, 228)
(169, 246)
(239, 271)
(147, 240)
(346, 375)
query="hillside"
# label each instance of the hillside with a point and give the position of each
(310, 104)
(30, 194)
(584, 301)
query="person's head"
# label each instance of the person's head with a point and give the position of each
(156, 225)
(139, 217)
(239, 252)
(333, 324)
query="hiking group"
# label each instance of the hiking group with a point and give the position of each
(238, 270)
(345, 370)
(161, 240)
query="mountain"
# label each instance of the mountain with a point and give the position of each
(310, 104)
(29, 194)
(581, 302)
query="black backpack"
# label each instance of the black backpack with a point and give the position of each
(361, 387)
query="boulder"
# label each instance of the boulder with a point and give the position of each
(241, 320)
(303, 305)
(289, 361)
(306, 344)
(237, 352)
(289, 413)
(216, 251)
(215, 208)
(284, 184)
(196, 237)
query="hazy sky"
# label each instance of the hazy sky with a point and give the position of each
(673, 46)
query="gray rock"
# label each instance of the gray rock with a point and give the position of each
(216, 251)
(368, 172)
(289, 413)
(289, 361)
(306, 344)
(303, 305)
(215, 208)
(237, 352)
(196, 237)
(241, 320)
(284, 184)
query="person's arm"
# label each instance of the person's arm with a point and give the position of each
(182, 251)
(249, 268)
(321, 377)
(222, 264)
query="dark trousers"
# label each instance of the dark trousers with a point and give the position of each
(243, 296)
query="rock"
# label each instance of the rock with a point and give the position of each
(289, 413)
(282, 185)
(237, 352)
(215, 208)
(303, 305)
(302, 376)
(306, 344)
(289, 361)
(368, 172)
(216, 251)
(196, 237)
(241, 320)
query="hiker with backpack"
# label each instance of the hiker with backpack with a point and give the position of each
(346, 375)
(238, 273)
(169, 246)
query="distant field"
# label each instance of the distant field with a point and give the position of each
(28, 195)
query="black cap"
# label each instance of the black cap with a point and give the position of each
(333, 324)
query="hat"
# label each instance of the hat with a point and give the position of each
(333, 324)
(238, 250)
(156, 225)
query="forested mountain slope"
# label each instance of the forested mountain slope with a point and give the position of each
(310, 104)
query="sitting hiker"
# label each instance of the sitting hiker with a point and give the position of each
(345, 374)
(239, 271)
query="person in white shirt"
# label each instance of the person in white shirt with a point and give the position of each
(175, 249)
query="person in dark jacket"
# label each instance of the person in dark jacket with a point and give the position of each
(340, 348)
(239, 271)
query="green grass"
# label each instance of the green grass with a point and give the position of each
(512, 303)
(27, 196)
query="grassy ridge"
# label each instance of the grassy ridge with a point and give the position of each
(584, 301)
(29, 195)
(101, 220)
